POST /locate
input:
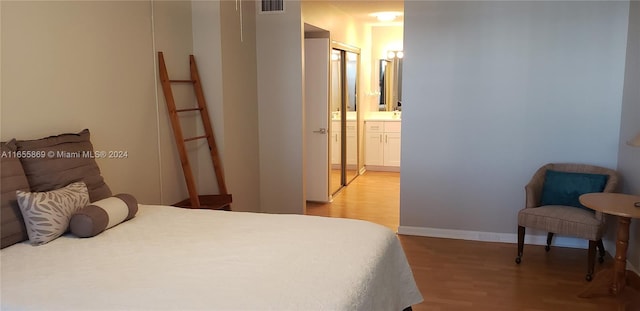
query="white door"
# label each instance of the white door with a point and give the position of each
(373, 149)
(373, 143)
(392, 149)
(316, 75)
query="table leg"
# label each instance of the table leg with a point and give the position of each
(620, 264)
(612, 281)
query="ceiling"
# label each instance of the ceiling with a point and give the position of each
(361, 9)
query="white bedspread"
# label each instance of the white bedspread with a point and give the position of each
(169, 258)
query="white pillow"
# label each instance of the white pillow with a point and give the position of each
(47, 214)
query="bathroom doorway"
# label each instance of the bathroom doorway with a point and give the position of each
(374, 38)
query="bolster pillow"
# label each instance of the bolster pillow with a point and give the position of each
(101, 215)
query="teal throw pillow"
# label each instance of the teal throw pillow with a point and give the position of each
(564, 188)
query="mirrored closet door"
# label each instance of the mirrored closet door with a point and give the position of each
(344, 116)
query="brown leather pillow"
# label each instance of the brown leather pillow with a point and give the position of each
(12, 179)
(60, 160)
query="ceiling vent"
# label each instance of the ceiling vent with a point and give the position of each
(271, 6)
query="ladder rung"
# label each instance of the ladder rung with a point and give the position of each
(188, 109)
(182, 81)
(194, 138)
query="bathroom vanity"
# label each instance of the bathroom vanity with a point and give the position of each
(382, 142)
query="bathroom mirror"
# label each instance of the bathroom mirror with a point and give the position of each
(351, 124)
(390, 77)
(335, 130)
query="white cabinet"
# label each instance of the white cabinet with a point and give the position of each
(382, 145)
(391, 149)
(374, 143)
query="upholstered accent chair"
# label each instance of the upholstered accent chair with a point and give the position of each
(552, 205)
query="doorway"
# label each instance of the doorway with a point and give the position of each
(343, 131)
(375, 40)
(331, 114)
(317, 47)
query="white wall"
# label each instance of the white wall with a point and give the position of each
(69, 65)
(628, 157)
(240, 100)
(172, 34)
(226, 55)
(492, 91)
(280, 110)
(207, 50)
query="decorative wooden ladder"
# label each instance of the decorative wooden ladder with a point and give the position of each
(217, 201)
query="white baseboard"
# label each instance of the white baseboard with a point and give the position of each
(531, 239)
(380, 168)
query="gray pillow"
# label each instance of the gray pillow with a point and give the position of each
(61, 160)
(12, 179)
(102, 215)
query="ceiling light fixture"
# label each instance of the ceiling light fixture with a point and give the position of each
(386, 16)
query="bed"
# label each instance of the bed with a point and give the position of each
(168, 258)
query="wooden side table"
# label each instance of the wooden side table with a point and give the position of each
(613, 282)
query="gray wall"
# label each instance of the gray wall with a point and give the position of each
(280, 110)
(628, 157)
(493, 90)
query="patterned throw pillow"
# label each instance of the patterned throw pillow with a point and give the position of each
(47, 214)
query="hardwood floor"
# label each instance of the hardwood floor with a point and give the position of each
(374, 196)
(469, 275)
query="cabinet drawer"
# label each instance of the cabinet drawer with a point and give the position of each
(392, 127)
(374, 126)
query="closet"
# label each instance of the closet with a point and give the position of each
(343, 129)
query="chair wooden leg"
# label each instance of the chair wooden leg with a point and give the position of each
(549, 238)
(591, 263)
(601, 251)
(521, 231)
